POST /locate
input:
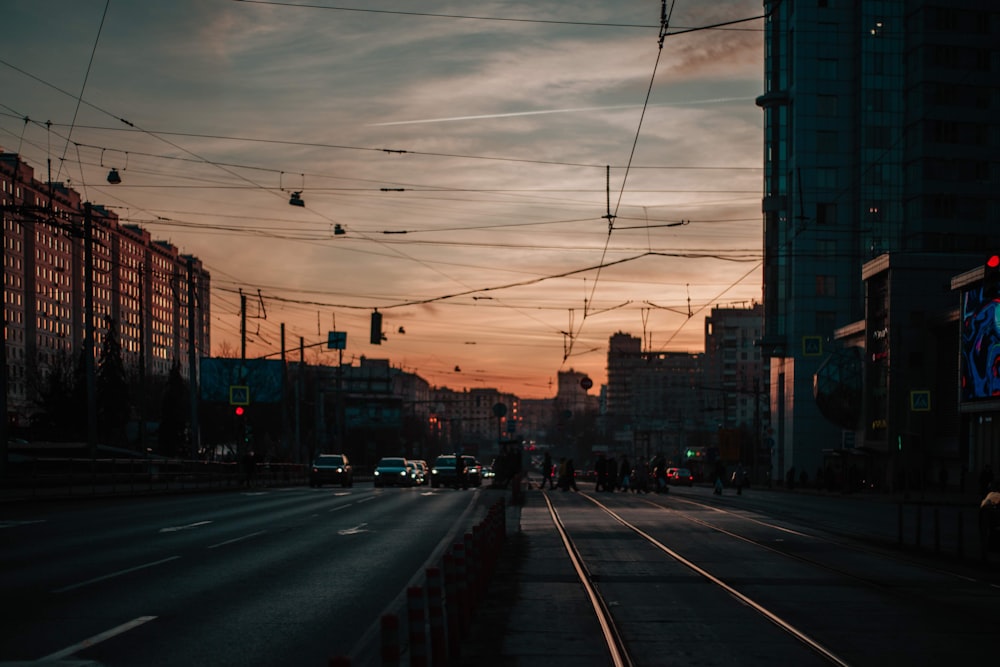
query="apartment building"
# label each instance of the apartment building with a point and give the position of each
(157, 299)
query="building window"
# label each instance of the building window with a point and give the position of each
(826, 285)
(878, 136)
(826, 213)
(826, 141)
(875, 212)
(826, 178)
(825, 321)
(826, 106)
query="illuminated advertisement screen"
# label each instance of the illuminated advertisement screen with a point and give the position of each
(980, 355)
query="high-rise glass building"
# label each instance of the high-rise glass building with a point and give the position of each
(881, 135)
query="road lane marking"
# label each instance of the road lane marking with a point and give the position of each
(14, 524)
(340, 507)
(238, 539)
(366, 500)
(360, 528)
(95, 580)
(174, 529)
(97, 639)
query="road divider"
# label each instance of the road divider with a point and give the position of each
(439, 612)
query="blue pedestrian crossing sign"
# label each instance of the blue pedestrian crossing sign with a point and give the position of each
(239, 395)
(812, 346)
(920, 400)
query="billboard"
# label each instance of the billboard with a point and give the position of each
(262, 379)
(980, 346)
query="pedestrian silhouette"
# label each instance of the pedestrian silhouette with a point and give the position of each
(612, 474)
(547, 470)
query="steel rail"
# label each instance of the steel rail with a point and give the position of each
(821, 536)
(612, 637)
(774, 618)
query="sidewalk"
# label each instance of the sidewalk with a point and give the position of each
(535, 611)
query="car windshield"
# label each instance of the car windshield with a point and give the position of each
(329, 460)
(445, 462)
(393, 463)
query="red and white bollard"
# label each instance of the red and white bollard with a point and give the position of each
(390, 640)
(435, 617)
(417, 626)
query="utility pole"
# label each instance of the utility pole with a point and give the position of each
(299, 388)
(243, 326)
(88, 337)
(193, 330)
(284, 394)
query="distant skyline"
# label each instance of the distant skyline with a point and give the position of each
(466, 161)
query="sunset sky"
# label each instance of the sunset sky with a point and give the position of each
(461, 147)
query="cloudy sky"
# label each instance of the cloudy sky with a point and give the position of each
(462, 149)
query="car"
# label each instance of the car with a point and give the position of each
(671, 474)
(425, 471)
(417, 472)
(474, 470)
(445, 473)
(331, 469)
(681, 476)
(393, 471)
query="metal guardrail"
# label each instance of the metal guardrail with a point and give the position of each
(73, 477)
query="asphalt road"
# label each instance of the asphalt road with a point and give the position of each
(269, 577)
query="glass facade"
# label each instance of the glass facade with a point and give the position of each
(880, 136)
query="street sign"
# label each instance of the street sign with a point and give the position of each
(920, 400)
(336, 340)
(812, 346)
(239, 395)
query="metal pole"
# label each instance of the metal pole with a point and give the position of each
(193, 361)
(284, 394)
(88, 338)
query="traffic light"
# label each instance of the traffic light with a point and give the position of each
(376, 330)
(991, 277)
(239, 411)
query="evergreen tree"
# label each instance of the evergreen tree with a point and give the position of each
(172, 434)
(113, 407)
(60, 414)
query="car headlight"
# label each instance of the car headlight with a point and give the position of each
(377, 473)
(402, 473)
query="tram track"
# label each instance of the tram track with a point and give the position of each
(818, 589)
(613, 634)
(819, 536)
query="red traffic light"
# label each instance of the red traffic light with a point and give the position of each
(239, 411)
(993, 262)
